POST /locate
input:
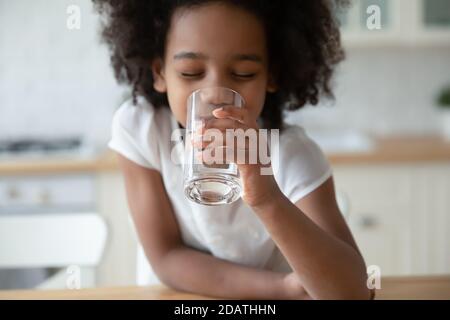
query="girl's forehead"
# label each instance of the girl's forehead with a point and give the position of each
(216, 29)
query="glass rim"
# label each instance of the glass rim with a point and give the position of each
(219, 87)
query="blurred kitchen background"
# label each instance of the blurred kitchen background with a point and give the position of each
(64, 219)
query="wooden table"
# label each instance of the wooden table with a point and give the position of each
(426, 287)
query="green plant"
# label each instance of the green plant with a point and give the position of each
(443, 100)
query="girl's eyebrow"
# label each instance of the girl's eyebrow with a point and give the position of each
(201, 56)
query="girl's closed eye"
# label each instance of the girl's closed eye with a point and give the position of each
(191, 75)
(247, 76)
(199, 74)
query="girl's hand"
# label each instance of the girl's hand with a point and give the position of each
(258, 188)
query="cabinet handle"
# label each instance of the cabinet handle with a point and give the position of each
(368, 222)
(13, 193)
(45, 197)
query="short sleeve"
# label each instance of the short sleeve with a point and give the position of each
(134, 134)
(302, 165)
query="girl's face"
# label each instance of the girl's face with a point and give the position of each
(214, 45)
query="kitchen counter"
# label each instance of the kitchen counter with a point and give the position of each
(403, 288)
(398, 149)
(104, 162)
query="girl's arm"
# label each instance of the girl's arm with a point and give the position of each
(190, 270)
(314, 238)
(311, 234)
(184, 268)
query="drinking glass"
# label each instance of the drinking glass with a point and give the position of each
(204, 183)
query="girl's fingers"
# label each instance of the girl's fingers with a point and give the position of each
(224, 130)
(203, 141)
(217, 131)
(220, 155)
(223, 124)
(239, 114)
(226, 155)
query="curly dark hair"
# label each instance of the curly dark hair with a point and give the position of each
(303, 37)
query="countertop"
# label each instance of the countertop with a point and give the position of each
(402, 288)
(106, 161)
(399, 149)
(394, 149)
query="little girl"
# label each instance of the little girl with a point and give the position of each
(285, 238)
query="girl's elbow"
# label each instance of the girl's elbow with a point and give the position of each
(164, 272)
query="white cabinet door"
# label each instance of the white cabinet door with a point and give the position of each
(428, 23)
(436, 14)
(118, 267)
(401, 22)
(379, 200)
(431, 228)
(371, 23)
(399, 215)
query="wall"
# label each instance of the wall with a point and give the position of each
(384, 90)
(53, 79)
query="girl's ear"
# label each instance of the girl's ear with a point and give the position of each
(159, 81)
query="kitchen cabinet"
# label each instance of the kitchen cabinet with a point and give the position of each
(401, 23)
(354, 18)
(399, 215)
(50, 233)
(436, 13)
(371, 23)
(432, 22)
(118, 266)
(432, 220)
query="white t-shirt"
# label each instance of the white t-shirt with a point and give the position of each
(233, 232)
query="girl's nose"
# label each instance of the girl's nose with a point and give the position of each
(217, 95)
